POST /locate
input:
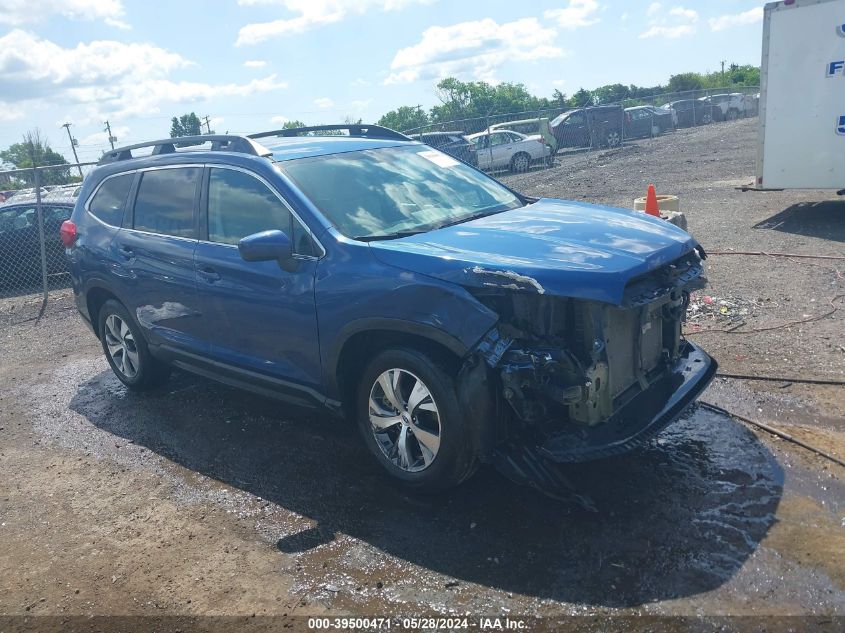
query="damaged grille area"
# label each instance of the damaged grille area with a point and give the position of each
(565, 362)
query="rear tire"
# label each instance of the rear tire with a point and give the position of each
(613, 139)
(520, 163)
(410, 419)
(126, 350)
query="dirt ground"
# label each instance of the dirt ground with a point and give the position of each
(202, 500)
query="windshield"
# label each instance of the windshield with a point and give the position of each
(385, 193)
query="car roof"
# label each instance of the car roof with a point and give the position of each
(485, 133)
(20, 200)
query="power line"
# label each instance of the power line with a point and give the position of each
(207, 123)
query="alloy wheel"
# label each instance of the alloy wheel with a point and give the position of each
(121, 346)
(405, 420)
(521, 163)
(613, 138)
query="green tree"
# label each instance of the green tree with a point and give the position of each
(686, 81)
(292, 125)
(34, 151)
(560, 99)
(469, 105)
(405, 118)
(611, 93)
(185, 125)
(581, 99)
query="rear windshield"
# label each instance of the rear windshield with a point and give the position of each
(385, 193)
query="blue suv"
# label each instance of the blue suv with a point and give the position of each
(454, 320)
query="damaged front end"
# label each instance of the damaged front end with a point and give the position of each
(583, 379)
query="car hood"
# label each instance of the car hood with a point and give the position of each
(554, 247)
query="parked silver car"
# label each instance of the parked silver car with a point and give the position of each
(505, 149)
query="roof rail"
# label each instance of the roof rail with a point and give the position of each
(362, 130)
(219, 143)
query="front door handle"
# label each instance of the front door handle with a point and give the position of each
(208, 274)
(126, 252)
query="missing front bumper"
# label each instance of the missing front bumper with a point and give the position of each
(642, 418)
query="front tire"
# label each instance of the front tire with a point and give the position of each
(409, 416)
(126, 350)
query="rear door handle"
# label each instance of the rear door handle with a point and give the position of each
(208, 274)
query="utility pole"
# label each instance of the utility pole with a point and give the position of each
(112, 139)
(723, 65)
(207, 124)
(73, 144)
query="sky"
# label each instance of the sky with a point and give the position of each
(250, 65)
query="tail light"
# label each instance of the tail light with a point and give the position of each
(68, 233)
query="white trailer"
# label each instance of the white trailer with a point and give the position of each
(801, 143)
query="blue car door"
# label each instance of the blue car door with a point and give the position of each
(154, 255)
(259, 318)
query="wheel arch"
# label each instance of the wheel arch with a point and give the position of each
(95, 297)
(362, 340)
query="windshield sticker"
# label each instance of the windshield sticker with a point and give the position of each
(439, 158)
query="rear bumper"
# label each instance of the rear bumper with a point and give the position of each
(642, 418)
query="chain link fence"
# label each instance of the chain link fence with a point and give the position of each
(521, 141)
(32, 261)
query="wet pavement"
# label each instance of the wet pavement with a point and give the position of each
(680, 525)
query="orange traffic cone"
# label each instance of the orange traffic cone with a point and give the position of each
(651, 202)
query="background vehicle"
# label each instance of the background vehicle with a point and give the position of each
(801, 139)
(530, 127)
(595, 126)
(20, 244)
(690, 112)
(642, 121)
(504, 149)
(730, 106)
(452, 143)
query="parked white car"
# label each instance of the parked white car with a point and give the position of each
(505, 149)
(733, 105)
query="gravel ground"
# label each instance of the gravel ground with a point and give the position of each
(199, 499)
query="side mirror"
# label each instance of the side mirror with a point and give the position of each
(266, 246)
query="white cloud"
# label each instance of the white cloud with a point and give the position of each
(309, 14)
(685, 14)
(106, 77)
(752, 16)
(360, 104)
(678, 22)
(558, 83)
(578, 14)
(20, 12)
(279, 120)
(473, 49)
(324, 103)
(8, 112)
(668, 32)
(255, 63)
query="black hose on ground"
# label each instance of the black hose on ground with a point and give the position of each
(773, 431)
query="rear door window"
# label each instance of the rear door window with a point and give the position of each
(107, 204)
(165, 201)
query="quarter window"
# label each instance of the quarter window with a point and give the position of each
(240, 205)
(110, 198)
(165, 201)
